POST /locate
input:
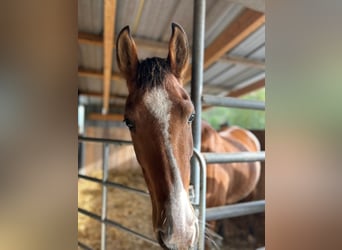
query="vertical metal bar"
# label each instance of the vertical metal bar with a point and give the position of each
(104, 195)
(81, 119)
(202, 206)
(197, 86)
(81, 131)
(80, 156)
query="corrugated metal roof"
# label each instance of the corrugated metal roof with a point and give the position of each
(90, 16)
(151, 20)
(90, 57)
(251, 44)
(218, 17)
(126, 14)
(90, 84)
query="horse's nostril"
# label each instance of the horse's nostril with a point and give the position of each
(160, 238)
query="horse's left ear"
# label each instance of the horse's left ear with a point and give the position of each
(126, 55)
(178, 57)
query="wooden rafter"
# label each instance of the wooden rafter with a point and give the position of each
(108, 41)
(244, 61)
(87, 38)
(252, 87)
(98, 74)
(100, 95)
(146, 44)
(246, 23)
(107, 117)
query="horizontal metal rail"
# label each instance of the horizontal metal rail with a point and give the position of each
(233, 102)
(234, 157)
(235, 210)
(117, 225)
(214, 213)
(114, 184)
(84, 246)
(104, 140)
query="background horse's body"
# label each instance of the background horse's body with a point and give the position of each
(229, 183)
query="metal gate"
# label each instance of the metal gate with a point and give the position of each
(197, 180)
(105, 184)
(228, 211)
(204, 214)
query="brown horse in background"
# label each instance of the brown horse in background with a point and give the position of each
(231, 182)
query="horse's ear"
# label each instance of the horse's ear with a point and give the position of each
(178, 57)
(126, 55)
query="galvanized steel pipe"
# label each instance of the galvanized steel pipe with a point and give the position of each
(202, 201)
(235, 210)
(117, 225)
(103, 140)
(84, 246)
(234, 157)
(115, 185)
(197, 85)
(233, 102)
(81, 131)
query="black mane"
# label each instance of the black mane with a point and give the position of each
(151, 72)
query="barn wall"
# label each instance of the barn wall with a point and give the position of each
(120, 156)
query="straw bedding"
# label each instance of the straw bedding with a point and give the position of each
(134, 211)
(129, 209)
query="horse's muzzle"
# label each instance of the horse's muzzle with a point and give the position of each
(184, 239)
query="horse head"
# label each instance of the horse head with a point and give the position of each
(159, 113)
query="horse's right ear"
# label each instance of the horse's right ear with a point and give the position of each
(126, 55)
(178, 57)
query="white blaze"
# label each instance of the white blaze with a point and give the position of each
(159, 105)
(157, 101)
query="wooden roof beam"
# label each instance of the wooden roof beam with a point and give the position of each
(245, 24)
(97, 40)
(108, 41)
(100, 95)
(86, 38)
(249, 88)
(98, 74)
(257, 64)
(107, 117)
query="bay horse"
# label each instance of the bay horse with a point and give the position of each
(231, 182)
(158, 113)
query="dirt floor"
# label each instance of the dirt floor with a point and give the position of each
(134, 211)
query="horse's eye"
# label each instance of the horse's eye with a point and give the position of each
(129, 124)
(192, 117)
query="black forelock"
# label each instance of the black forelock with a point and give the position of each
(151, 72)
